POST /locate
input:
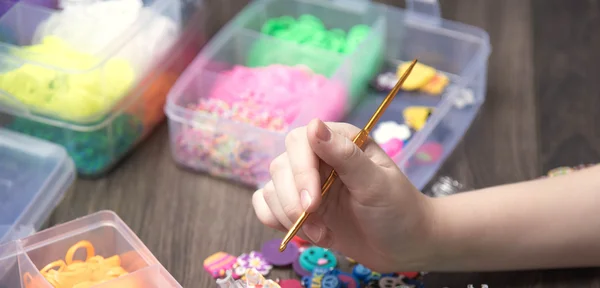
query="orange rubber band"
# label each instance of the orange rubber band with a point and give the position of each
(81, 244)
(53, 280)
(60, 264)
(95, 259)
(72, 273)
(27, 279)
(114, 261)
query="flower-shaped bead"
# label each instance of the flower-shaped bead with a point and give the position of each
(254, 260)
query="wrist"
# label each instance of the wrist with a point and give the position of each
(432, 240)
(436, 242)
(421, 251)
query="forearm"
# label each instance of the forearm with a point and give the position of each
(549, 223)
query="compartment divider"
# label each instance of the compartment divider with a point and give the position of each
(30, 276)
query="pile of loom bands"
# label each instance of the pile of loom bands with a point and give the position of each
(269, 98)
(94, 270)
(67, 96)
(92, 27)
(93, 152)
(322, 50)
(77, 38)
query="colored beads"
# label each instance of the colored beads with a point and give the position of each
(565, 170)
(217, 264)
(92, 151)
(317, 266)
(92, 27)
(253, 279)
(70, 273)
(423, 79)
(445, 186)
(307, 41)
(249, 108)
(62, 95)
(78, 81)
(287, 90)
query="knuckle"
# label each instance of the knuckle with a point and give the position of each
(292, 211)
(303, 176)
(349, 150)
(268, 192)
(276, 165)
(293, 137)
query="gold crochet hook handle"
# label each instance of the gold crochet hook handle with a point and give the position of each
(359, 140)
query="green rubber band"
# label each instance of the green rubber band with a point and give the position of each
(358, 32)
(310, 20)
(269, 27)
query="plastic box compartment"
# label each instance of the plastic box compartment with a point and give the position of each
(21, 260)
(34, 177)
(460, 52)
(198, 138)
(124, 92)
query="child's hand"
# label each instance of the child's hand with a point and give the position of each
(372, 213)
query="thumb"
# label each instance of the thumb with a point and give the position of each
(335, 148)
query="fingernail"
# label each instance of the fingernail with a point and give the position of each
(305, 199)
(313, 232)
(323, 132)
(327, 240)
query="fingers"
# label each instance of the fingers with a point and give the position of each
(263, 212)
(304, 169)
(317, 232)
(272, 200)
(336, 149)
(278, 206)
(285, 190)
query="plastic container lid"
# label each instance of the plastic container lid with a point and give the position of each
(34, 176)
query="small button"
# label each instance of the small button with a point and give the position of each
(420, 75)
(290, 283)
(429, 152)
(416, 116)
(330, 281)
(436, 85)
(361, 272)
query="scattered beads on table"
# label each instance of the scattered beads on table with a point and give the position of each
(69, 272)
(445, 186)
(245, 111)
(252, 279)
(565, 170)
(320, 270)
(219, 263)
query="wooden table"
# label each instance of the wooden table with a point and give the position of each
(542, 111)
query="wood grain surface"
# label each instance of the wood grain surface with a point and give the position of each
(542, 111)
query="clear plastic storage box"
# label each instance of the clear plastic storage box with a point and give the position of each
(228, 147)
(92, 76)
(34, 177)
(458, 51)
(231, 147)
(22, 261)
